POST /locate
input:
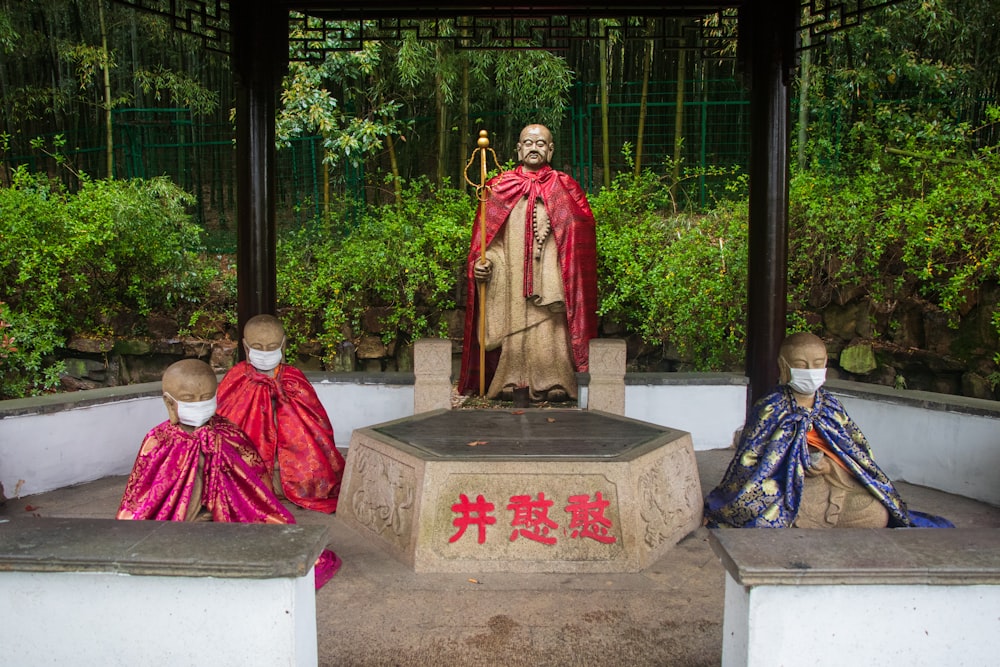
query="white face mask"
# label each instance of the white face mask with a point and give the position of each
(806, 381)
(264, 360)
(194, 413)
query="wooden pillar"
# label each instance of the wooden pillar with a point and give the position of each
(259, 60)
(767, 40)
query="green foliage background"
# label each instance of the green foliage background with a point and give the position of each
(97, 261)
(88, 263)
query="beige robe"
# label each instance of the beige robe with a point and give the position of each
(832, 498)
(532, 332)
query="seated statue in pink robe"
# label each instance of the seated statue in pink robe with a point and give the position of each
(200, 466)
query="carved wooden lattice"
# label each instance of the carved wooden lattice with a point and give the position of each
(316, 27)
(208, 20)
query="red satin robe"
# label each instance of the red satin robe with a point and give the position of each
(576, 241)
(286, 422)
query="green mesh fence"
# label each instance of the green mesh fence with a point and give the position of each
(713, 117)
(200, 156)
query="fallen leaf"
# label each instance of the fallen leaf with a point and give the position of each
(476, 443)
(474, 581)
(550, 419)
(30, 508)
(517, 412)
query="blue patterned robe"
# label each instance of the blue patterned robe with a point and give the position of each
(763, 484)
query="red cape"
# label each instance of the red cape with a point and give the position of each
(283, 415)
(576, 241)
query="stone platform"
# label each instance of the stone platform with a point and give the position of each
(535, 490)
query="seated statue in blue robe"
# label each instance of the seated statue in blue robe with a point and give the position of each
(802, 461)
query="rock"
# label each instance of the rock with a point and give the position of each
(373, 320)
(975, 385)
(90, 345)
(133, 346)
(847, 322)
(86, 369)
(344, 361)
(908, 318)
(455, 320)
(404, 358)
(70, 383)
(370, 347)
(160, 326)
(223, 355)
(858, 359)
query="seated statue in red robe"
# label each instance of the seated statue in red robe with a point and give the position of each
(199, 466)
(278, 408)
(539, 280)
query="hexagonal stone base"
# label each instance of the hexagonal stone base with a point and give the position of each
(521, 491)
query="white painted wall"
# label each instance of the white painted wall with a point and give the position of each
(52, 450)
(351, 405)
(81, 618)
(953, 452)
(872, 625)
(711, 413)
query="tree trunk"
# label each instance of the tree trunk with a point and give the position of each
(605, 139)
(463, 126)
(803, 133)
(106, 71)
(678, 123)
(647, 63)
(442, 120)
(397, 186)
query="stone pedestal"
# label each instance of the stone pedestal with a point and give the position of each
(606, 390)
(870, 596)
(432, 375)
(107, 592)
(521, 491)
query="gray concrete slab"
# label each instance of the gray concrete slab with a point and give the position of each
(377, 611)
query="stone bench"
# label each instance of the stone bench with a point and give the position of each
(106, 592)
(860, 597)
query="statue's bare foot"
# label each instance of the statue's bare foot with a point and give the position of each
(557, 395)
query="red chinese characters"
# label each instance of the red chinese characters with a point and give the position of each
(530, 518)
(477, 513)
(534, 516)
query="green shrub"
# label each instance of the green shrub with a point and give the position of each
(407, 259)
(83, 262)
(927, 226)
(677, 280)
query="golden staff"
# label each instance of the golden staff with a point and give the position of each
(482, 195)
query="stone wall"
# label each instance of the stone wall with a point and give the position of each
(908, 344)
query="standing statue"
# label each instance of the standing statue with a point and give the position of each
(540, 272)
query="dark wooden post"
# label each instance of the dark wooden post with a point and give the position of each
(259, 60)
(767, 40)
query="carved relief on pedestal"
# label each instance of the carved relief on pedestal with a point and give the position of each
(669, 494)
(383, 500)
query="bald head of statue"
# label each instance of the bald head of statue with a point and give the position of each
(535, 147)
(187, 382)
(806, 353)
(264, 342)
